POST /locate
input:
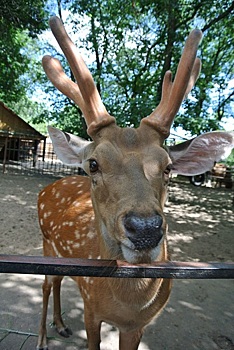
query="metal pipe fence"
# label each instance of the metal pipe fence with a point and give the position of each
(20, 156)
(114, 268)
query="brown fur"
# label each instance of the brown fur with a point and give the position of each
(69, 229)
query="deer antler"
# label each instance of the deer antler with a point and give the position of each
(55, 73)
(173, 93)
(84, 93)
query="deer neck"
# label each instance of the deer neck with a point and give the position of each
(129, 291)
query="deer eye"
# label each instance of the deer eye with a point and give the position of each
(168, 170)
(93, 166)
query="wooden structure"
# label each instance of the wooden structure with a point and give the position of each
(222, 175)
(18, 140)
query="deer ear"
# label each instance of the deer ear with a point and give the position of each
(199, 154)
(68, 148)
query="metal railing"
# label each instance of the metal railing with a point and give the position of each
(114, 268)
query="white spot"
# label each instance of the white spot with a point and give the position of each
(55, 249)
(76, 245)
(46, 214)
(91, 235)
(77, 234)
(70, 251)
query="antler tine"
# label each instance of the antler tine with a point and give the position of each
(95, 113)
(60, 80)
(194, 76)
(173, 93)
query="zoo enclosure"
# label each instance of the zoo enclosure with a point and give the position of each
(22, 156)
(24, 150)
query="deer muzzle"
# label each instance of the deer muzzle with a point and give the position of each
(144, 232)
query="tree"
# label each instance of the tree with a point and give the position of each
(212, 98)
(132, 44)
(20, 22)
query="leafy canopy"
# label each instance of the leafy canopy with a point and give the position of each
(130, 45)
(20, 22)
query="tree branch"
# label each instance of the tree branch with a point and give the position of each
(217, 19)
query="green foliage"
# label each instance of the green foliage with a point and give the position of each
(230, 160)
(68, 118)
(19, 22)
(12, 65)
(23, 15)
(129, 46)
(28, 109)
(134, 43)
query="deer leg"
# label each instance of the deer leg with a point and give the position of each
(93, 329)
(130, 340)
(42, 339)
(62, 329)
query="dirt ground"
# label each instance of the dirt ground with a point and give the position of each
(200, 313)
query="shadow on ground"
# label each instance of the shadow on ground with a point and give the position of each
(199, 316)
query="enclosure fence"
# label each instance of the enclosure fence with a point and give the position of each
(21, 156)
(114, 268)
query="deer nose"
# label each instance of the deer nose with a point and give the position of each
(144, 233)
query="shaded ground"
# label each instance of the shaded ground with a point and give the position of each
(200, 313)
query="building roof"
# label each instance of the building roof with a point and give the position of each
(12, 125)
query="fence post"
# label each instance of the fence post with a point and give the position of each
(5, 154)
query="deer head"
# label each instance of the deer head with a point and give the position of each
(129, 168)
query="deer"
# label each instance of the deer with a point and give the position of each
(117, 211)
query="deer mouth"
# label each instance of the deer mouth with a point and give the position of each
(137, 238)
(142, 256)
(143, 234)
